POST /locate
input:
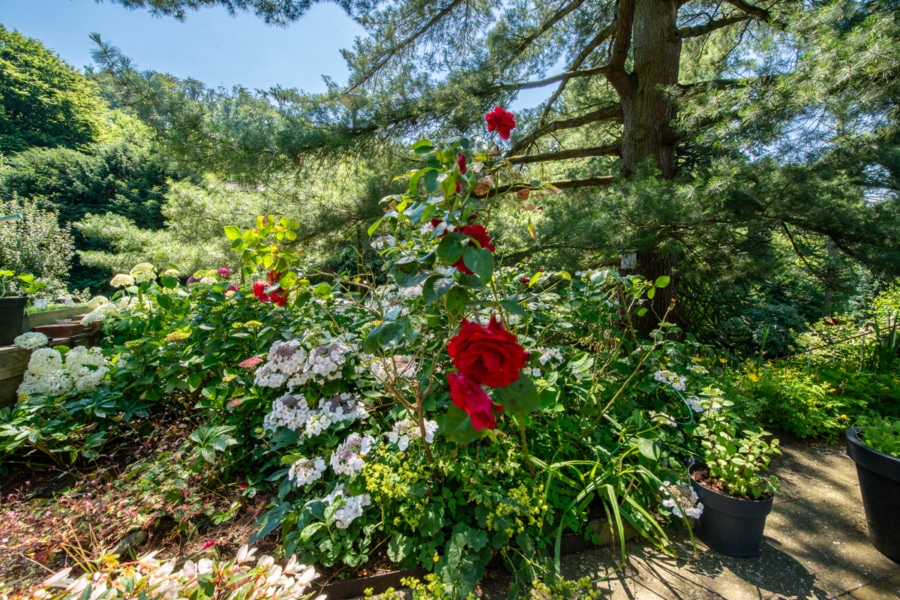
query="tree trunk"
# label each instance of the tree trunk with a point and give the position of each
(647, 118)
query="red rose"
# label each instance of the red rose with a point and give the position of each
(500, 121)
(461, 163)
(479, 234)
(278, 297)
(468, 396)
(489, 355)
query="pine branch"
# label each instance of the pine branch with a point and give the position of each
(576, 64)
(710, 26)
(622, 43)
(606, 150)
(387, 55)
(754, 11)
(554, 19)
(613, 111)
(550, 80)
(561, 184)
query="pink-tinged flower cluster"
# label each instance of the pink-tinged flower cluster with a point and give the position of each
(250, 363)
(224, 272)
(488, 356)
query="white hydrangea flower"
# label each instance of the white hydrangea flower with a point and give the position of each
(394, 368)
(31, 340)
(44, 361)
(550, 354)
(122, 280)
(698, 369)
(347, 459)
(96, 301)
(55, 383)
(694, 403)
(208, 280)
(143, 272)
(306, 471)
(407, 429)
(317, 423)
(682, 500)
(87, 368)
(343, 407)
(267, 377)
(287, 411)
(350, 507)
(678, 382)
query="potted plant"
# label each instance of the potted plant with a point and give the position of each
(736, 497)
(874, 446)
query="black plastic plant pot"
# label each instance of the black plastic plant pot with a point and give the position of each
(879, 484)
(12, 312)
(731, 526)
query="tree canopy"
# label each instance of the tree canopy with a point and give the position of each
(44, 101)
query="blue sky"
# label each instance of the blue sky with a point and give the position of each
(209, 45)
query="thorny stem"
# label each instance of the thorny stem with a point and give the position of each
(521, 421)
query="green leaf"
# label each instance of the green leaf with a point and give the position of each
(431, 181)
(422, 147)
(407, 274)
(387, 335)
(521, 396)
(458, 426)
(456, 300)
(642, 312)
(164, 301)
(512, 306)
(232, 232)
(451, 247)
(374, 227)
(435, 287)
(400, 547)
(651, 293)
(168, 282)
(480, 261)
(534, 279)
(323, 290)
(662, 281)
(648, 448)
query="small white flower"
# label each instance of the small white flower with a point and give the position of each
(122, 280)
(676, 381)
(347, 459)
(31, 340)
(306, 471)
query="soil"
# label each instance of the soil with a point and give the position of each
(701, 476)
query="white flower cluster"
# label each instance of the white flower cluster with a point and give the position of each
(87, 367)
(31, 340)
(389, 302)
(548, 355)
(306, 471)
(693, 403)
(350, 507)
(534, 372)
(698, 369)
(84, 372)
(292, 411)
(142, 272)
(122, 280)
(218, 578)
(383, 242)
(407, 429)
(100, 311)
(290, 364)
(393, 368)
(287, 411)
(97, 301)
(347, 459)
(682, 500)
(678, 382)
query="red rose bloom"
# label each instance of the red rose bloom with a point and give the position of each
(468, 396)
(489, 355)
(501, 121)
(278, 297)
(478, 233)
(461, 163)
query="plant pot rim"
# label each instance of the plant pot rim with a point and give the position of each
(869, 458)
(768, 499)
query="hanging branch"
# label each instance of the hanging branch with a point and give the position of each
(606, 113)
(710, 26)
(605, 150)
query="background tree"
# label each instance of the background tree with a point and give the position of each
(676, 125)
(44, 101)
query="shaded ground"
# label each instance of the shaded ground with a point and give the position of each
(815, 547)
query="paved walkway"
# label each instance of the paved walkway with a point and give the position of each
(815, 546)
